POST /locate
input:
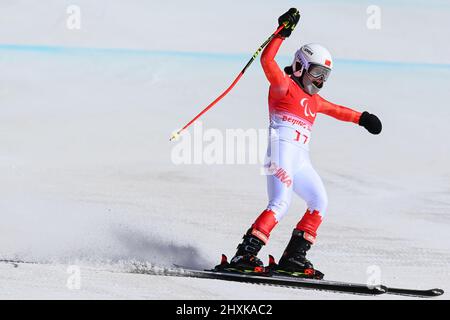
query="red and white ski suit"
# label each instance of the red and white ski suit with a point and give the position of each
(292, 115)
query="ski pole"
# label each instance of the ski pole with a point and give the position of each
(176, 135)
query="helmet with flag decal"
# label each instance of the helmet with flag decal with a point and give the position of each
(311, 67)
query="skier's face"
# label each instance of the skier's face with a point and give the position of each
(313, 79)
(318, 74)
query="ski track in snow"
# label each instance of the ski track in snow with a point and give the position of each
(87, 178)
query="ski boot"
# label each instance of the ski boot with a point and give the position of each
(245, 260)
(294, 262)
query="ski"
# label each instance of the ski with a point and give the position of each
(390, 290)
(276, 279)
(266, 277)
(291, 282)
(429, 293)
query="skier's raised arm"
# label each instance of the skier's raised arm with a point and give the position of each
(271, 69)
(365, 119)
(278, 81)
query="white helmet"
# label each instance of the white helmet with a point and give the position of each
(311, 67)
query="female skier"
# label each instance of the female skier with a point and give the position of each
(293, 107)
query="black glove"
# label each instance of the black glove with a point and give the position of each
(370, 122)
(290, 20)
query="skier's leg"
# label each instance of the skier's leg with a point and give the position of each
(279, 189)
(279, 184)
(309, 186)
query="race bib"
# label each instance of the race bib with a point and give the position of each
(290, 128)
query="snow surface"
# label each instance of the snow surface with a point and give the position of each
(85, 162)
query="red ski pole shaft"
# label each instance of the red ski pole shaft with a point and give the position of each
(187, 125)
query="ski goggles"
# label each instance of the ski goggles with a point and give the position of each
(316, 72)
(319, 72)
